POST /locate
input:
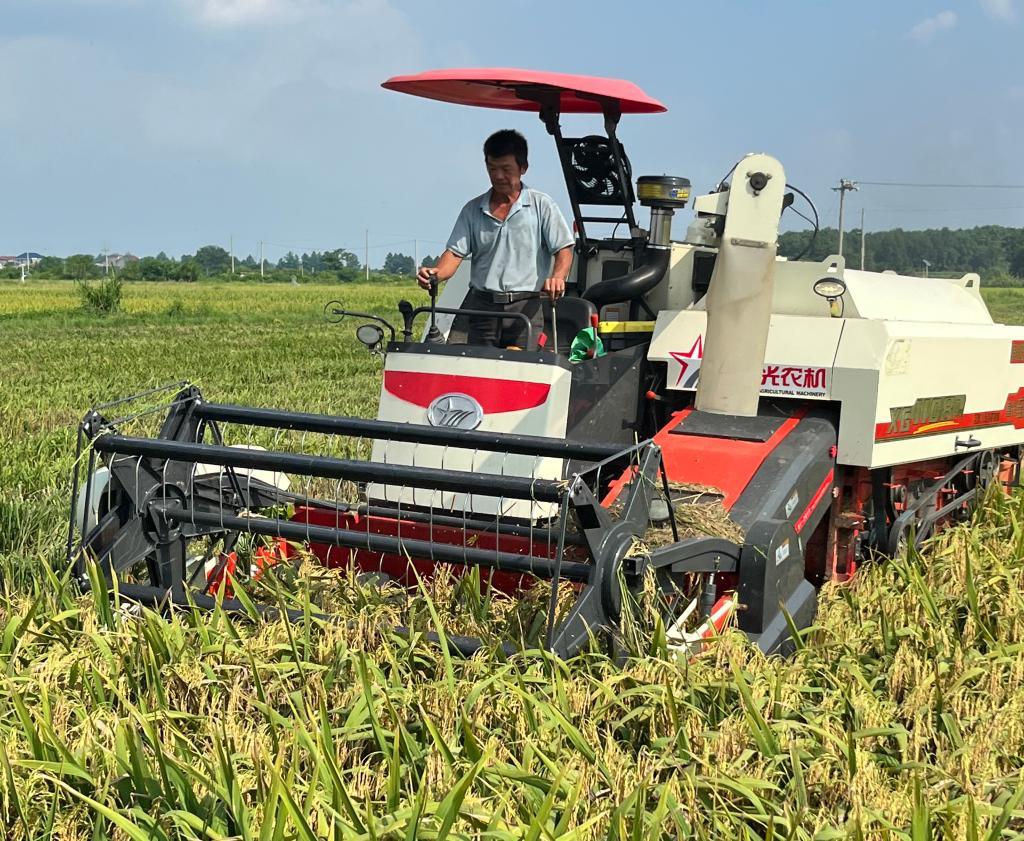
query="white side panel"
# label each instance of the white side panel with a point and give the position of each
(880, 296)
(909, 390)
(547, 419)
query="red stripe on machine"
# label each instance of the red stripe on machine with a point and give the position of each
(818, 494)
(1011, 413)
(492, 395)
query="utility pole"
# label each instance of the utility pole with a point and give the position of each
(302, 271)
(231, 247)
(862, 239)
(366, 255)
(415, 256)
(261, 258)
(845, 185)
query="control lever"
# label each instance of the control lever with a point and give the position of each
(433, 334)
(554, 326)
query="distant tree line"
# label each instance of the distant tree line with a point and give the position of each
(994, 251)
(991, 250)
(213, 261)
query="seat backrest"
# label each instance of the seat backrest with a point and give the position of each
(574, 314)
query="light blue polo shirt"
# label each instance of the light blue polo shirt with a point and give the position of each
(514, 255)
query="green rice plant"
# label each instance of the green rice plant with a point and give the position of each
(102, 296)
(900, 714)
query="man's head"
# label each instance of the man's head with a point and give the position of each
(505, 155)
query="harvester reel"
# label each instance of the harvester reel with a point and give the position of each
(173, 493)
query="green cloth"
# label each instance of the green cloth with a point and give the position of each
(585, 341)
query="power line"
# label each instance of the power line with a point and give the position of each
(943, 209)
(942, 186)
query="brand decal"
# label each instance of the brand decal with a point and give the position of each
(795, 380)
(926, 414)
(936, 415)
(455, 411)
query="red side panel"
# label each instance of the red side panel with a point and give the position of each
(400, 567)
(493, 395)
(723, 463)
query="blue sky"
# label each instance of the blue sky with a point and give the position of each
(148, 125)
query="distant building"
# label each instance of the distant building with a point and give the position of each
(6, 261)
(27, 258)
(116, 261)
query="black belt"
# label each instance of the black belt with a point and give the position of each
(505, 297)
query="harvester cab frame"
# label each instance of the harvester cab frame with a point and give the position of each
(832, 415)
(597, 173)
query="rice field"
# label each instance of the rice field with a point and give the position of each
(901, 715)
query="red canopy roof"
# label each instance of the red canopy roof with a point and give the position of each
(495, 87)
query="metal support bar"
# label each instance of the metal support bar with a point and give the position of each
(697, 554)
(483, 484)
(531, 445)
(474, 524)
(425, 549)
(496, 316)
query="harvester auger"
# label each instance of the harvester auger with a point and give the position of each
(830, 416)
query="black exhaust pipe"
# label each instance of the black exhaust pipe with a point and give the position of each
(638, 282)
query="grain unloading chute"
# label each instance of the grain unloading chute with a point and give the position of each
(828, 415)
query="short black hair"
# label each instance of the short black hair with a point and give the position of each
(506, 142)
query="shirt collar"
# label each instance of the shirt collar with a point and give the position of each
(524, 200)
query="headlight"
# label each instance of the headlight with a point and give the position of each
(829, 287)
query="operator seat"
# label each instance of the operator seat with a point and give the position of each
(574, 315)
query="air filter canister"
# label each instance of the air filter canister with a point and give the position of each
(668, 191)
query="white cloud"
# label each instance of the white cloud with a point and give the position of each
(999, 9)
(930, 27)
(318, 60)
(246, 12)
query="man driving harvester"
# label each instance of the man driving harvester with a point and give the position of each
(520, 245)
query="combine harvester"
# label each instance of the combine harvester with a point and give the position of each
(834, 414)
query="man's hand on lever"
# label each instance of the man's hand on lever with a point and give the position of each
(554, 287)
(426, 276)
(447, 264)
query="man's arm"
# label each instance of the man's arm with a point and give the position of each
(559, 240)
(460, 246)
(447, 264)
(554, 286)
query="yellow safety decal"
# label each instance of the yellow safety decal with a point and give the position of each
(625, 327)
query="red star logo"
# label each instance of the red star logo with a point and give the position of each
(694, 354)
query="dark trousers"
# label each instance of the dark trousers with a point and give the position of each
(478, 330)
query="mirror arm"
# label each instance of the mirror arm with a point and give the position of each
(331, 310)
